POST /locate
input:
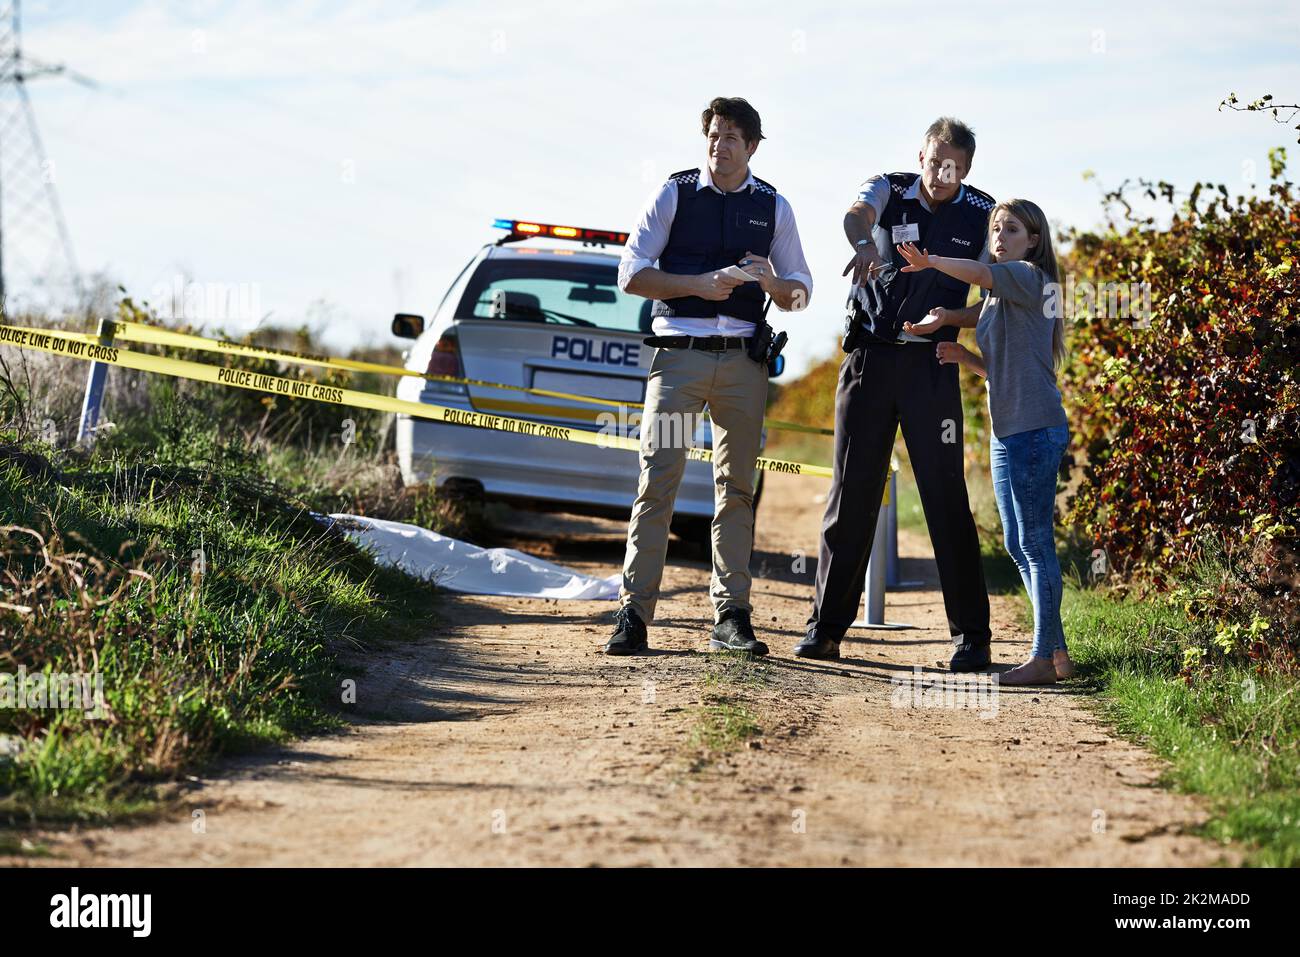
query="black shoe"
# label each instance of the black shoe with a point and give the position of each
(735, 633)
(813, 646)
(629, 636)
(970, 657)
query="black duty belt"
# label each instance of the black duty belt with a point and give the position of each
(706, 343)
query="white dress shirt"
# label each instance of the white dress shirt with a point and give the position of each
(649, 238)
(875, 193)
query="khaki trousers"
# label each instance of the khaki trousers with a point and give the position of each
(681, 384)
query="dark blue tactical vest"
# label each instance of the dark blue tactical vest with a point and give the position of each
(957, 229)
(713, 230)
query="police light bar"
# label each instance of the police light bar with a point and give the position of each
(522, 229)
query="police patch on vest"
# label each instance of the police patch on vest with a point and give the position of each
(749, 222)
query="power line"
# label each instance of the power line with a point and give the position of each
(37, 265)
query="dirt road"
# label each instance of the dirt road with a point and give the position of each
(507, 738)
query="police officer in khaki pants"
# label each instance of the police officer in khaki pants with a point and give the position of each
(700, 222)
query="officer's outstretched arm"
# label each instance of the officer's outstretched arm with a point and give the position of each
(857, 228)
(858, 222)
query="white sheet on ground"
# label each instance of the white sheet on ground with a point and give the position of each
(472, 569)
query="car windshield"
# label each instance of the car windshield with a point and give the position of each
(524, 289)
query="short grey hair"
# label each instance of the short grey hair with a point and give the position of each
(950, 130)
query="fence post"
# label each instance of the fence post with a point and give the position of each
(893, 566)
(877, 566)
(95, 379)
(891, 533)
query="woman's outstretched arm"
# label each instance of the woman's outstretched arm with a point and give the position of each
(967, 270)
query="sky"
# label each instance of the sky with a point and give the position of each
(336, 162)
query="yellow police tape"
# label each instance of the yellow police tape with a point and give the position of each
(78, 345)
(153, 335)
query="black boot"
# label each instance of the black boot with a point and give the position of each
(970, 657)
(816, 646)
(734, 633)
(629, 636)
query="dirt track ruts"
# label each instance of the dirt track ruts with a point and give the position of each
(506, 738)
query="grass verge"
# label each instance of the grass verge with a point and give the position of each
(1229, 734)
(207, 603)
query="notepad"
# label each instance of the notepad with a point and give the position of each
(735, 272)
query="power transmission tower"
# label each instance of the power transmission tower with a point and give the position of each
(37, 266)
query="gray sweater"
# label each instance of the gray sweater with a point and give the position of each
(1014, 334)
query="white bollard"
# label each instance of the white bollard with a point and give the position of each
(878, 564)
(874, 592)
(891, 540)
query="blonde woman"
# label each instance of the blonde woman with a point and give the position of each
(1021, 336)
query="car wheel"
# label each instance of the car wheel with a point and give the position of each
(695, 531)
(466, 497)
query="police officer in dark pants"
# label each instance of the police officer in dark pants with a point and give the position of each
(891, 377)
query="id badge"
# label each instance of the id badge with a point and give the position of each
(907, 233)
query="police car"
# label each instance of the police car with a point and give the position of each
(528, 311)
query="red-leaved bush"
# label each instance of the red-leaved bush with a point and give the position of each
(1186, 420)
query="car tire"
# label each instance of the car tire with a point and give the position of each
(466, 496)
(695, 531)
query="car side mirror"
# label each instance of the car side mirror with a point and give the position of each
(407, 326)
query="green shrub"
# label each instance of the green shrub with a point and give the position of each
(1188, 420)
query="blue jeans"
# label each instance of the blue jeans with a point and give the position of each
(1024, 469)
